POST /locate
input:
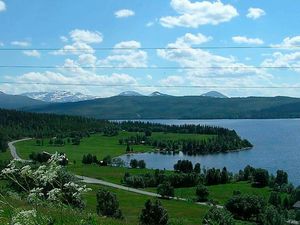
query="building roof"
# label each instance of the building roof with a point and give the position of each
(297, 205)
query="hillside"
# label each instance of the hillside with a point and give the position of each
(185, 107)
(17, 101)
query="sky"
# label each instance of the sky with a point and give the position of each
(178, 47)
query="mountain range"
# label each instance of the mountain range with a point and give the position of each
(161, 106)
(58, 96)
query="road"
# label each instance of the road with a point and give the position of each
(90, 180)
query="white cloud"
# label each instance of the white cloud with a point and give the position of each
(124, 13)
(172, 81)
(184, 56)
(64, 39)
(87, 59)
(149, 77)
(279, 59)
(2, 6)
(288, 42)
(195, 14)
(32, 53)
(86, 36)
(255, 13)
(193, 39)
(246, 40)
(149, 24)
(20, 43)
(76, 48)
(126, 54)
(1, 44)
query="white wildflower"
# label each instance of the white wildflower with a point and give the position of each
(54, 195)
(35, 196)
(25, 218)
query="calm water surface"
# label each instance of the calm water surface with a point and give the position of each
(276, 146)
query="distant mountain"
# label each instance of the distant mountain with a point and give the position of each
(59, 96)
(183, 107)
(130, 93)
(17, 102)
(156, 93)
(214, 94)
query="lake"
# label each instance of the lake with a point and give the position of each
(276, 146)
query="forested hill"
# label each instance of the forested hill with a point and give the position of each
(16, 124)
(171, 107)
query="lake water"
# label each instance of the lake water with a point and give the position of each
(276, 146)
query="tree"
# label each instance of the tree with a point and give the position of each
(261, 178)
(153, 214)
(216, 216)
(202, 193)
(281, 178)
(141, 164)
(148, 133)
(107, 160)
(3, 143)
(271, 216)
(184, 166)
(133, 163)
(246, 206)
(127, 148)
(165, 190)
(197, 168)
(275, 199)
(108, 205)
(224, 176)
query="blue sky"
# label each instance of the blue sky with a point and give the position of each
(87, 26)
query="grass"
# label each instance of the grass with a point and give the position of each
(221, 193)
(5, 155)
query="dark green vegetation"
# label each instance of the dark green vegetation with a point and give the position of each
(185, 107)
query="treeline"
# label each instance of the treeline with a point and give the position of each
(216, 143)
(16, 124)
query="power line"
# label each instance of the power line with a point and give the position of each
(150, 48)
(149, 86)
(147, 67)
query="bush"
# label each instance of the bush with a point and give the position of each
(108, 205)
(275, 199)
(141, 164)
(260, 178)
(153, 214)
(165, 190)
(133, 163)
(271, 216)
(216, 216)
(246, 206)
(184, 166)
(202, 193)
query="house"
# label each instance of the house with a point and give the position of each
(297, 205)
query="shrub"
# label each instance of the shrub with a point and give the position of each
(275, 199)
(246, 206)
(260, 178)
(202, 193)
(153, 214)
(108, 205)
(165, 190)
(133, 163)
(216, 216)
(141, 164)
(271, 216)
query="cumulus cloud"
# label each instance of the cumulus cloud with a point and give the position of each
(172, 81)
(64, 39)
(126, 54)
(246, 40)
(86, 36)
(32, 53)
(195, 14)
(123, 13)
(279, 59)
(20, 43)
(1, 44)
(288, 42)
(255, 13)
(2, 6)
(208, 66)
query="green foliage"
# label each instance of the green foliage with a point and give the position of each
(165, 190)
(216, 216)
(246, 206)
(3, 142)
(141, 164)
(281, 178)
(133, 163)
(108, 205)
(153, 214)
(184, 166)
(202, 193)
(272, 216)
(89, 159)
(197, 168)
(275, 199)
(260, 178)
